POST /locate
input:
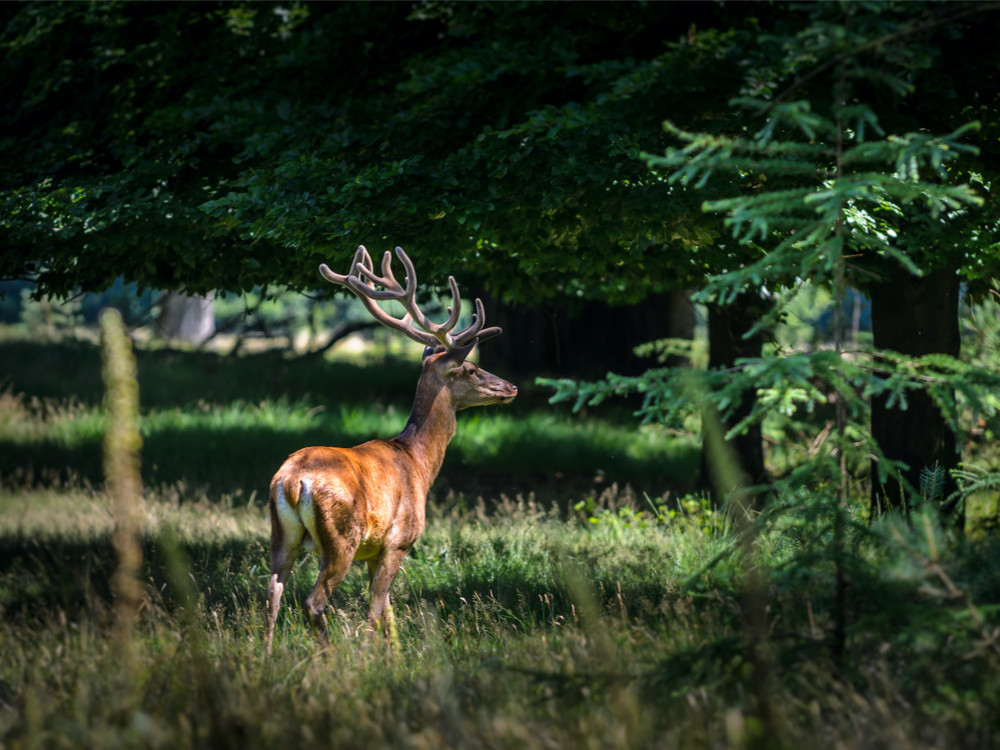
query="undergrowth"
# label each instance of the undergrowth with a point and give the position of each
(519, 626)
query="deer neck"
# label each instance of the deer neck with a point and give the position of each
(430, 428)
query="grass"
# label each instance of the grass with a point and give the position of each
(546, 605)
(223, 425)
(518, 628)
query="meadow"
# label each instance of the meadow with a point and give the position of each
(569, 590)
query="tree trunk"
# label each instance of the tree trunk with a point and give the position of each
(727, 342)
(188, 318)
(914, 315)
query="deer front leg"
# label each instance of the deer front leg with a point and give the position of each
(381, 573)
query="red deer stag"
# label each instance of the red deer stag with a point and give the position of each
(368, 502)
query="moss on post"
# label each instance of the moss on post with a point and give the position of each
(123, 482)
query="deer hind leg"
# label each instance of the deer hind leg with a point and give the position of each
(331, 573)
(382, 572)
(287, 533)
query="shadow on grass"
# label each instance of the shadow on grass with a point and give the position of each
(239, 461)
(42, 577)
(170, 378)
(222, 425)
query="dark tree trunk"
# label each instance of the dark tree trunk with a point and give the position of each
(727, 342)
(914, 315)
(583, 343)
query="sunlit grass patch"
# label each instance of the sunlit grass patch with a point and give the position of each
(34, 420)
(544, 443)
(74, 513)
(231, 447)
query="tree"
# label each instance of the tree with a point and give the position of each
(185, 317)
(104, 162)
(829, 195)
(917, 313)
(498, 141)
(226, 146)
(915, 257)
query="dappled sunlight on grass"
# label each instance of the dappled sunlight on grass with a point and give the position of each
(234, 446)
(84, 514)
(522, 624)
(35, 420)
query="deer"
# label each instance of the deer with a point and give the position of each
(368, 503)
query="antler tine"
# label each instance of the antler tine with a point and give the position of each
(440, 331)
(391, 289)
(361, 258)
(469, 333)
(411, 274)
(454, 311)
(475, 330)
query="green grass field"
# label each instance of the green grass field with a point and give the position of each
(566, 593)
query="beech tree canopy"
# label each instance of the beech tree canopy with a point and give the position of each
(221, 146)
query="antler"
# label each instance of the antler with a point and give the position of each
(362, 280)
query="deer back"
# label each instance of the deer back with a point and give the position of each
(366, 495)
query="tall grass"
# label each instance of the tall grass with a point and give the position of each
(521, 628)
(546, 605)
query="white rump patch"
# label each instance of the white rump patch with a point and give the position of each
(307, 514)
(288, 517)
(295, 521)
